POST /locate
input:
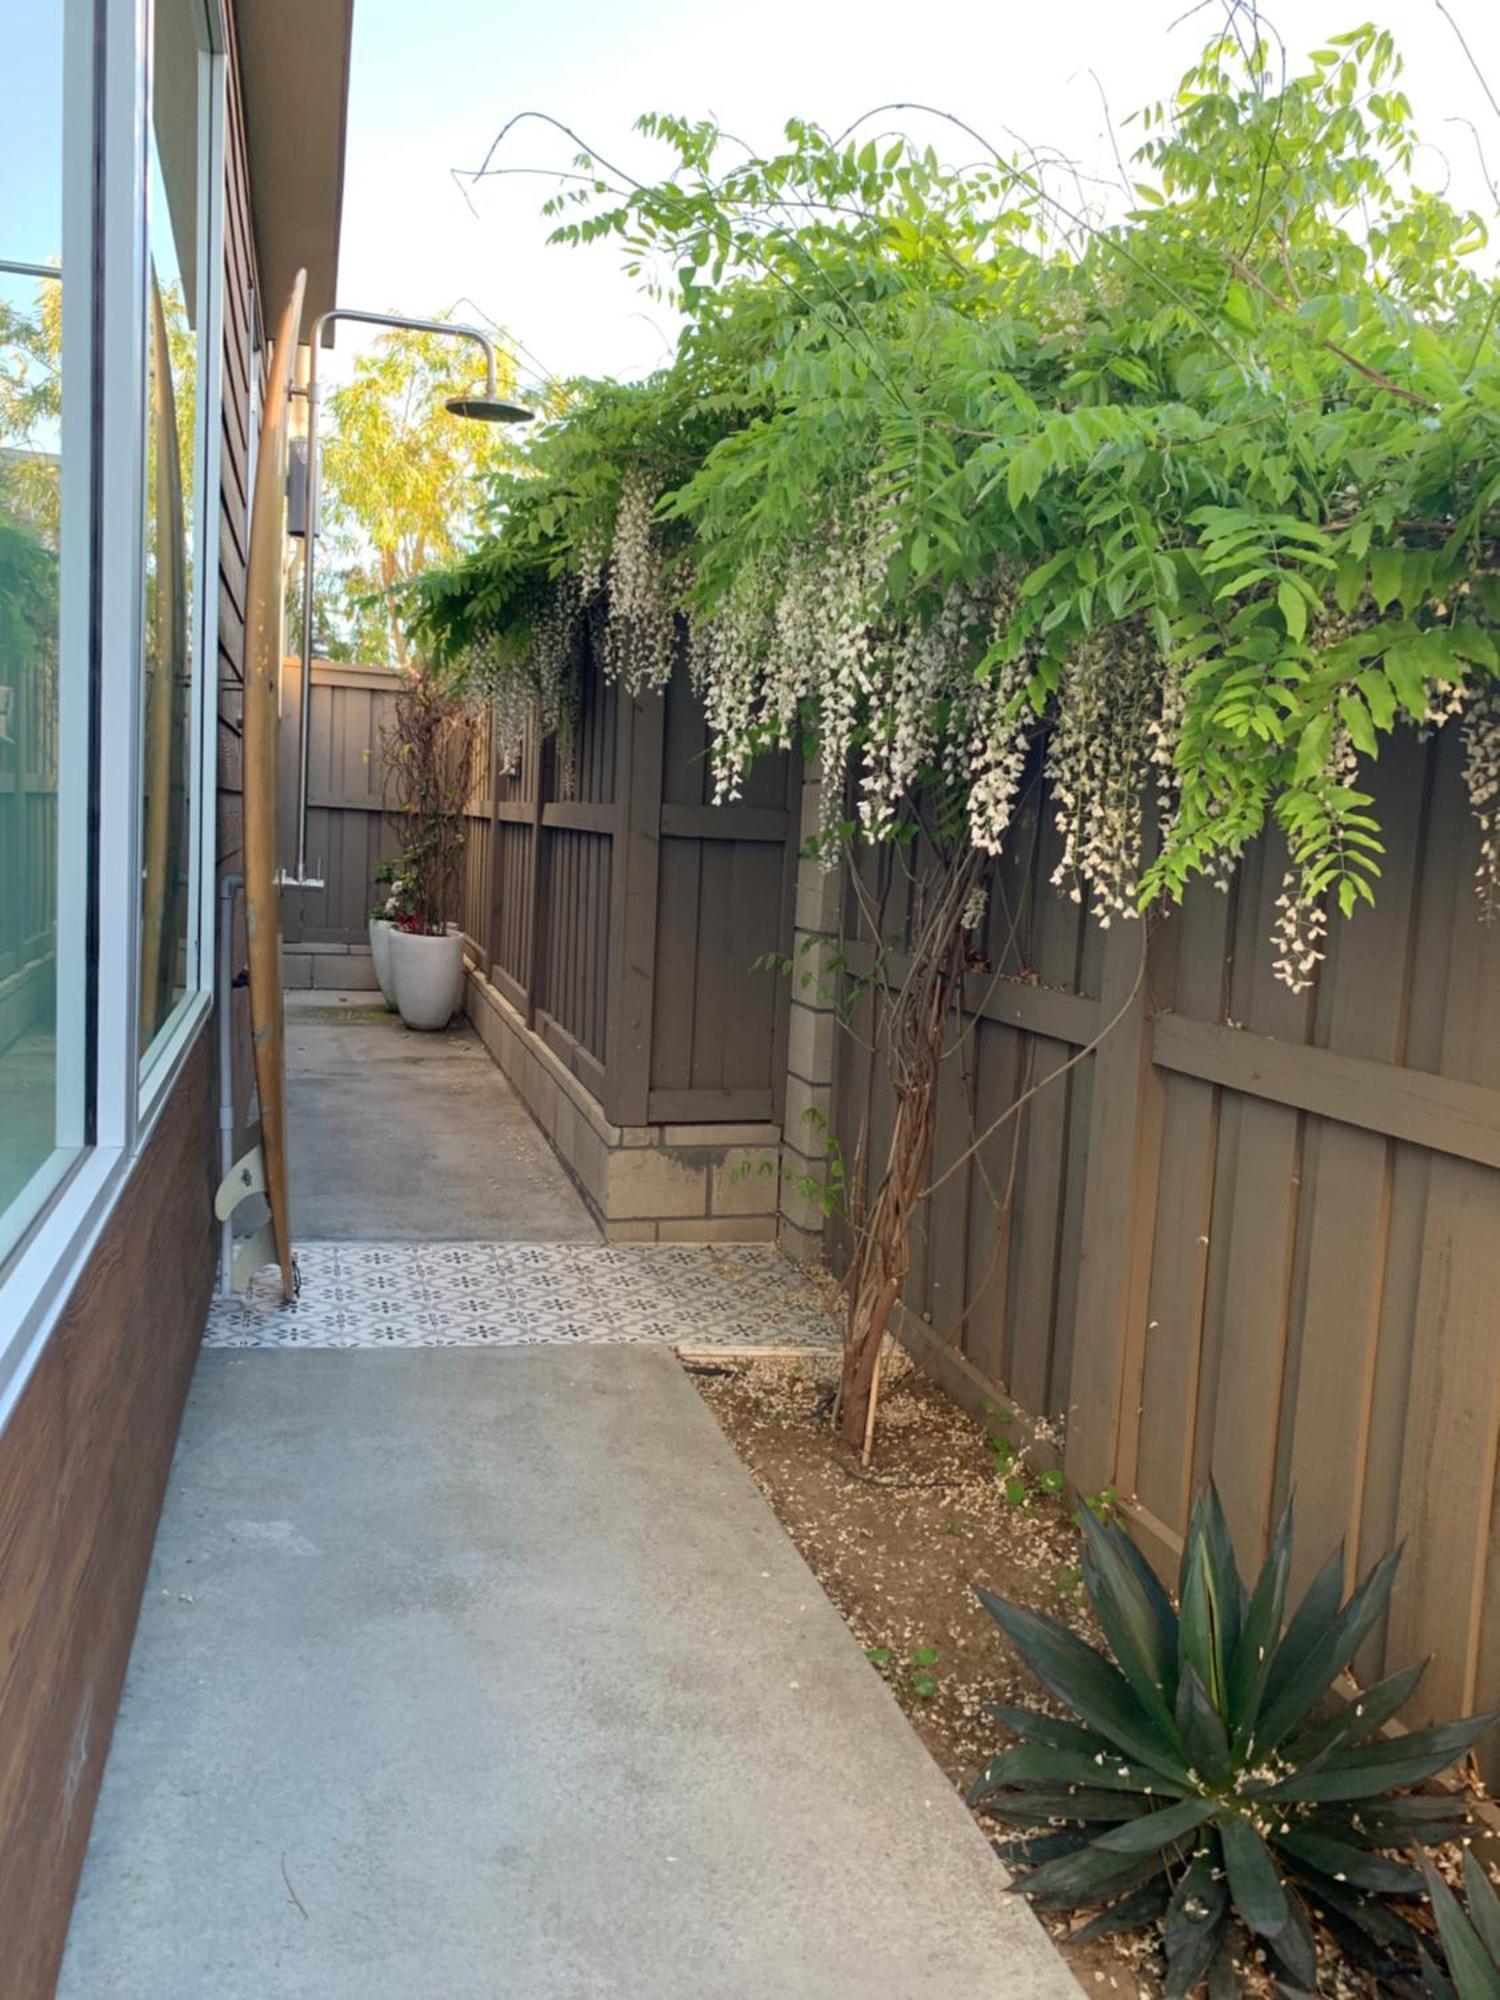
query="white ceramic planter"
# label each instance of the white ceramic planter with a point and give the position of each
(427, 973)
(380, 956)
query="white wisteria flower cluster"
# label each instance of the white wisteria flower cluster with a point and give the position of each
(639, 627)
(803, 636)
(1107, 733)
(894, 702)
(541, 692)
(1300, 931)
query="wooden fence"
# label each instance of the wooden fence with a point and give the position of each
(623, 913)
(348, 831)
(1255, 1235)
(620, 911)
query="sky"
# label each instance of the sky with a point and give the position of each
(31, 139)
(433, 83)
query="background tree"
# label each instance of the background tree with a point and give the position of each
(30, 405)
(401, 484)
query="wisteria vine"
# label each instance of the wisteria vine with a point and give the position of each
(1191, 510)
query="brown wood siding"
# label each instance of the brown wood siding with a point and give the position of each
(83, 1465)
(1257, 1234)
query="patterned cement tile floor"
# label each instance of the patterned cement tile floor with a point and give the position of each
(528, 1295)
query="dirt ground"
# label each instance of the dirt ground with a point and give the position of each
(947, 1503)
(899, 1548)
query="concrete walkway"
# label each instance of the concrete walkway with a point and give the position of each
(467, 1672)
(396, 1136)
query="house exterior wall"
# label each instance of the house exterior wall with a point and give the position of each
(85, 1453)
(83, 1466)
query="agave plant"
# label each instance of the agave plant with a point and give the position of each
(1206, 1781)
(1471, 1940)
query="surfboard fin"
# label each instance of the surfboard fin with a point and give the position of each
(252, 1254)
(246, 1177)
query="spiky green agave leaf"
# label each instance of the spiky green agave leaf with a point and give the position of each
(1205, 1779)
(1471, 1939)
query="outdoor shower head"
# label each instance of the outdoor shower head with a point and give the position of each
(488, 410)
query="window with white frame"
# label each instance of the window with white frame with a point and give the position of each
(111, 195)
(45, 562)
(182, 275)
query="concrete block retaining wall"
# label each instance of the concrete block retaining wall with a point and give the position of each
(338, 968)
(644, 1183)
(810, 1048)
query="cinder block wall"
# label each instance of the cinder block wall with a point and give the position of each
(644, 1183)
(338, 968)
(810, 1046)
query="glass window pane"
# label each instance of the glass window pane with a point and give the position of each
(36, 1139)
(168, 806)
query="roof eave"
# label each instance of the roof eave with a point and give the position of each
(294, 78)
